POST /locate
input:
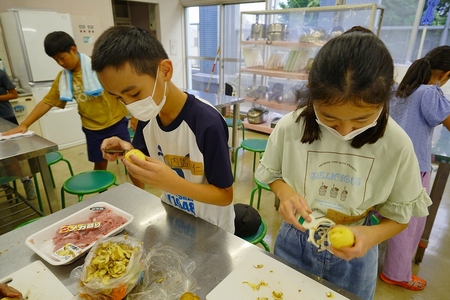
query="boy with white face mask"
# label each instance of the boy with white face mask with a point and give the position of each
(185, 139)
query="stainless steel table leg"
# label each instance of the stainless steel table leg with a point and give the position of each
(47, 181)
(234, 130)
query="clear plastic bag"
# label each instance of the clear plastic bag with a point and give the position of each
(124, 268)
(167, 277)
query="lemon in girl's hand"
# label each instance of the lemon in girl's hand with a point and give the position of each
(341, 236)
(136, 152)
(189, 296)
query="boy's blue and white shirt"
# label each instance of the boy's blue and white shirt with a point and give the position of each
(195, 146)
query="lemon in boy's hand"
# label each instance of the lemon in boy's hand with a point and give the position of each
(341, 236)
(136, 152)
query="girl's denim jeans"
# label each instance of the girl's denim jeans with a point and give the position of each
(357, 276)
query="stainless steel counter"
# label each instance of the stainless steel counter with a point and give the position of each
(216, 252)
(23, 156)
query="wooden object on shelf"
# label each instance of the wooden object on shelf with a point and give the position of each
(262, 127)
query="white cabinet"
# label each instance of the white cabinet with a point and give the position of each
(279, 46)
(22, 107)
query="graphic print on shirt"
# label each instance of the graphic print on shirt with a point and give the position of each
(346, 174)
(78, 90)
(181, 164)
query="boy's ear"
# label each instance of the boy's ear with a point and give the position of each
(74, 49)
(166, 69)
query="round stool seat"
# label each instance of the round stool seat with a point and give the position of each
(7, 179)
(230, 122)
(262, 185)
(53, 157)
(258, 237)
(85, 183)
(89, 182)
(27, 222)
(255, 145)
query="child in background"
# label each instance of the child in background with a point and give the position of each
(419, 107)
(102, 116)
(8, 92)
(341, 136)
(186, 138)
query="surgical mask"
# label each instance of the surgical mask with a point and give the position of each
(350, 135)
(146, 109)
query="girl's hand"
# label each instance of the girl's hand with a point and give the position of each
(8, 291)
(361, 246)
(292, 205)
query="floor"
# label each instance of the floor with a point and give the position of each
(434, 267)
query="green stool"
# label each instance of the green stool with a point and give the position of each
(253, 145)
(27, 222)
(259, 186)
(86, 183)
(239, 125)
(258, 237)
(54, 157)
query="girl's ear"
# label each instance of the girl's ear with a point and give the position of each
(446, 75)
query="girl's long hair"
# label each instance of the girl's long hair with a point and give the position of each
(354, 67)
(420, 71)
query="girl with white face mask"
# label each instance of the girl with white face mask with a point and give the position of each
(339, 156)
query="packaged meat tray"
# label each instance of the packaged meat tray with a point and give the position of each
(67, 240)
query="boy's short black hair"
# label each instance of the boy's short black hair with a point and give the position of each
(121, 44)
(58, 42)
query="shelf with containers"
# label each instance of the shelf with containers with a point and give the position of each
(278, 48)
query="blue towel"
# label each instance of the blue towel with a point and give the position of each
(91, 85)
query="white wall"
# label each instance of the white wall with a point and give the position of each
(170, 20)
(171, 26)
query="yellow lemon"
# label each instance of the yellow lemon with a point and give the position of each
(136, 152)
(189, 296)
(341, 236)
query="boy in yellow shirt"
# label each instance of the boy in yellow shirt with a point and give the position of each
(102, 116)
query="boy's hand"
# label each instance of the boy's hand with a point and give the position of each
(116, 144)
(19, 129)
(153, 172)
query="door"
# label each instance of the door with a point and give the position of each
(35, 26)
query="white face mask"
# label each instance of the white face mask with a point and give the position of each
(146, 109)
(350, 135)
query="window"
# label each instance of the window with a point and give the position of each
(211, 27)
